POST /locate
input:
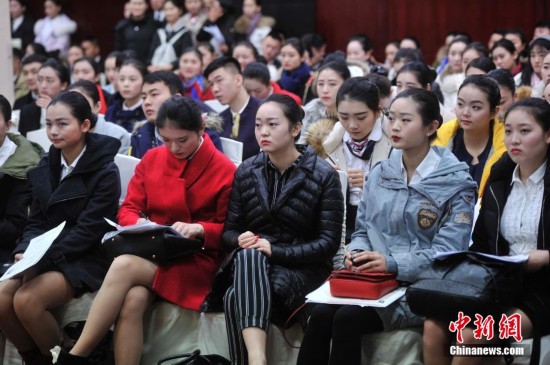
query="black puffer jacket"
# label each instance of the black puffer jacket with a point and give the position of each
(87, 195)
(304, 226)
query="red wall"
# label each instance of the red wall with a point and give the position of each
(428, 20)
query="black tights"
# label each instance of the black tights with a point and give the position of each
(344, 325)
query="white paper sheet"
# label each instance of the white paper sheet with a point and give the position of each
(322, 295)
(144, 226)
(516, 259)
(36, 250)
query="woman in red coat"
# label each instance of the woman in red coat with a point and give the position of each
(186, 183)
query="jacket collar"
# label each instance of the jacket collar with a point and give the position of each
(300, 173)
(334, 139)
(449, 177)
(194, 167)
(100, 149)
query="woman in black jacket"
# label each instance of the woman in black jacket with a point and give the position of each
(76, 183)
(173, 36)
(285, 221)
(136, 32)
(514, 219)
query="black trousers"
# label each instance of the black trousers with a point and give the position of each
(344, 326)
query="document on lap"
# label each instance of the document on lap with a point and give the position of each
(516, 259)
(142, 227)
(36, 250)
(322, 295)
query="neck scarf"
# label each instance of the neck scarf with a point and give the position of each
(362, 149)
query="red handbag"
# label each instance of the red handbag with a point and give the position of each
(361, 285)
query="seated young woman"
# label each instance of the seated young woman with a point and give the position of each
(417, 202)
(78, 183)
(514, 219)
(185, 183)
(285, 221)
(330, 78)
(127, 110)
(358, 141)
(476, 136)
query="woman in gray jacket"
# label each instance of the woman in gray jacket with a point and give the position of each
(418, 202)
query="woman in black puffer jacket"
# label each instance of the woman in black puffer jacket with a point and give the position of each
(285, 220)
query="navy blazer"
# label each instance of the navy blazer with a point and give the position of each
(246, 127)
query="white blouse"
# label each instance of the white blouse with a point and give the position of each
(521, 216)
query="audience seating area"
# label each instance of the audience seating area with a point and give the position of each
(170, 330)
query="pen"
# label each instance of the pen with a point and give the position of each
(143, 215)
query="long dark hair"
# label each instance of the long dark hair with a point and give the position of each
(527, 71)
(78, 106)
(180, 112)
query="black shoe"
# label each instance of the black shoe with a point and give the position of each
(65, 358)
(35, 357)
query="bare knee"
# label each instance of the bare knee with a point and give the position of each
(132, 270)
(468, 338)
(135, 304)
(435, 327)
(124, 264)
(435, 339)
(25, 302)
(6, 300)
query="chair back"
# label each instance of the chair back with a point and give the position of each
(232, 149)
(126, 166)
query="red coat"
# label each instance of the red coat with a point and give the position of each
(277, 90)
(197, 191)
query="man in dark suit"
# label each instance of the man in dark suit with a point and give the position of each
(29, 70)
(226, 82)
(90, 46)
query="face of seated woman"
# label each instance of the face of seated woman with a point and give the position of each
(181, 142)
(274, 132)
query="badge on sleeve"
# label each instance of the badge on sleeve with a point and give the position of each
(426, 218)
(463, 217)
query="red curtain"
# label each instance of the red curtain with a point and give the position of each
(428, 20)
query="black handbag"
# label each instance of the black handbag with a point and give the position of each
(160, 244)
(196, 358)
(465, 282)
(223, 279)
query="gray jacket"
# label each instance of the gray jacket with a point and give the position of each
(410, 223)
(115, 131)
